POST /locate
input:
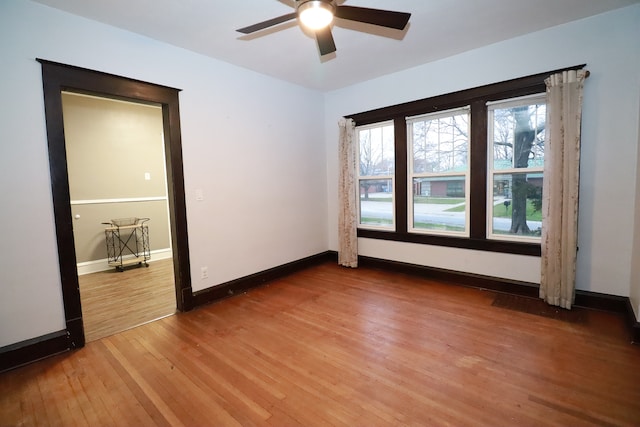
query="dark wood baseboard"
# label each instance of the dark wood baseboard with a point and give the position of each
(243, 284)
(24, 352)
(28, 351)
(599, 301)
(635, 333)
(454, 277)
(585, 299)
(633, 323)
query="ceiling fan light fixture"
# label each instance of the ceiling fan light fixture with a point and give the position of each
(316, 14)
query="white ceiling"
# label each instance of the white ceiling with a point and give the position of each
(437, 29)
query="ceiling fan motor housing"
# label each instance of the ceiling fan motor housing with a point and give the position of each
(302, 5)
(317, 16)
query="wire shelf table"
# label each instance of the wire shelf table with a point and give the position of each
(127, 242)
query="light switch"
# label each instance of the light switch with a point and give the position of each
(199, 195)
(147, 176)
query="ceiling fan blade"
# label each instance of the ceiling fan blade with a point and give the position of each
(325, 41)
(266, 24)
(384, 18)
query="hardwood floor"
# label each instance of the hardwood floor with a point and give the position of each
(114, 301)
(335, 346)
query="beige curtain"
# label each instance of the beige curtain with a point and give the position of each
(347, 221)
(560, 187)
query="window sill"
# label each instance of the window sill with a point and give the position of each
(510, 247)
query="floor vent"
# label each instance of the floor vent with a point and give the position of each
(539, 308)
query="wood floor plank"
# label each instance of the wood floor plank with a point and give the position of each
(149, 391)
(178, 376)
(341, 347)
(114, 301)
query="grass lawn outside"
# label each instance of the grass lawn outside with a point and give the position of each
(375, 221)
(418, 225)
(420, 199)
(439, 227)
(438, 200)
(499, 211)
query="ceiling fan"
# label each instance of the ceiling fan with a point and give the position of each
(317, 16)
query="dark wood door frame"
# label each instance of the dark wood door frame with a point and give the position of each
(60, 77)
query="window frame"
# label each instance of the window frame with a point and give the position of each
(391, 177)
(477, 98)
(411, 174)
(537, 99)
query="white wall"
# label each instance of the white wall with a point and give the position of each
(608, 44)
(262, 174)
(634, 291)
(258, 207)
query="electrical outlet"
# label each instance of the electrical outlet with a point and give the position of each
(204, 272)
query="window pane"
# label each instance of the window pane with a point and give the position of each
(518, 136)
(376, 151)
(439, 203)
(517, 204)
(440, 144)
(376, 202)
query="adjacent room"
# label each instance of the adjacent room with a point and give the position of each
(419, 213)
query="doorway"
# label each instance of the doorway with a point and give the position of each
(58, 78)
(116, 166)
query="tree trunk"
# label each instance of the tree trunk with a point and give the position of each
(519, 205)
(524, 136)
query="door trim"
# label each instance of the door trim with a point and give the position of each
(58, 77)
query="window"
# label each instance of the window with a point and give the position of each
(515, 165)
(464, 163)
(438, 172)
(376, 176)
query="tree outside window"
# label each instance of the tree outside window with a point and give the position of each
(516, 161)
(468, 168)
